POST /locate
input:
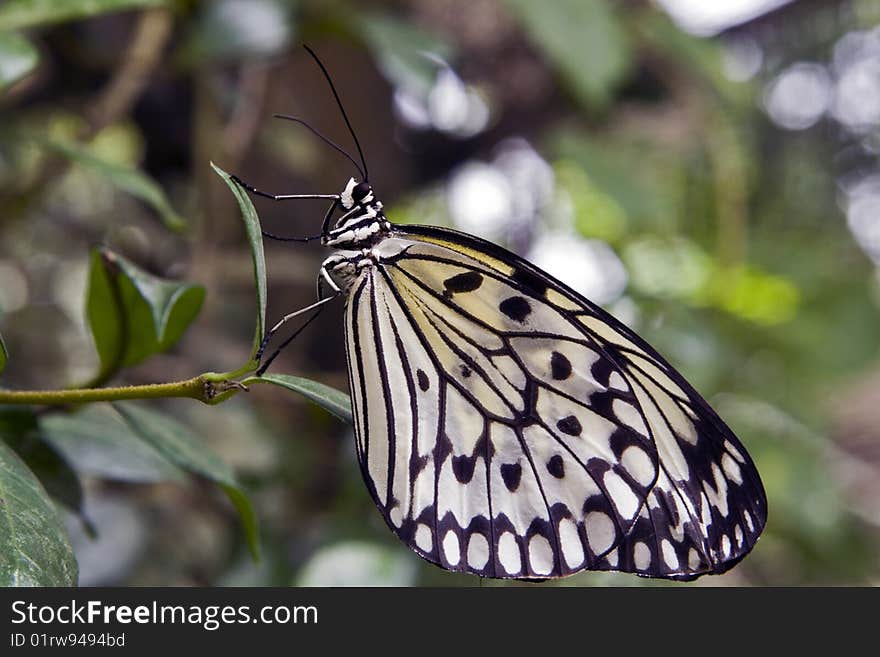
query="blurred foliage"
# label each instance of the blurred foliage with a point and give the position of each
(740, 264)
(17, 58)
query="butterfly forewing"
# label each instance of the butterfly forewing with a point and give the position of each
(508, 427)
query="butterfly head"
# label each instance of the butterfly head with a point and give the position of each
(362, 222)
(356, 193)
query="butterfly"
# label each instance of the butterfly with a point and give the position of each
(508, 427)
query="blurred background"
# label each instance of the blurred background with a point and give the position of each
(708, 172)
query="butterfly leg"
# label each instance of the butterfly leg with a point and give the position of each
(278, 197)
(285, 197)
(323, 277)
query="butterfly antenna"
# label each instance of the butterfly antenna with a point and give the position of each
(342, 110)
(325, 139)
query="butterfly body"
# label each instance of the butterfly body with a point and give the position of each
(508, 427)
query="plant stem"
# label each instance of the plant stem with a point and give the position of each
(201, 388)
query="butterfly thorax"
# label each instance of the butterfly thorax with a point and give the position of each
(363, 221)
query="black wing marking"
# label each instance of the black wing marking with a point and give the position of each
(510, 428)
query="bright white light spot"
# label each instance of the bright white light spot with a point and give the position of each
(411, 110)
(530, 176)
(799, 96)
(13, 288)
(479, 200)
(742, 58)
(256, 26)
(863, 215)
(856, 62)
(450, 105)
(447, 101)
(356, 563)
(710, 17)
(502, 200)
(589, 266)
(857, 103)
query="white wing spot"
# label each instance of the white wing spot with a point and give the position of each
(638, 464)
(396, 515)
(600, 531)
(738, 535)
(725, 546)
(508, 554)
(693, 559)
(748, 517)
(572, 548)
(718, 492)
(540, 555)
(731, 468)
(618, 382)
(424, 538)
(622, 495)
(669, 555)
(630, 416)
(451, 548)
(642, 556)
(729, 446)
(478, 551)
(612, 558)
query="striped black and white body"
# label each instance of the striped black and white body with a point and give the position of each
(508, 427)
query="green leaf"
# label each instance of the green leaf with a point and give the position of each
(126, 178)
(104, 316)
(584, 39)
(17, 14)
(19, 429)
(255, 239)
(18, 57)
(133, 314)
(34, 547)
(171, 307)
(4, 355)
(331, 399)
(178, 444)
(98, 442)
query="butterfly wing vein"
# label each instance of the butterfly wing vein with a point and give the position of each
(508, 427)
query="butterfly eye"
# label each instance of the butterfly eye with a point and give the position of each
(360, 191)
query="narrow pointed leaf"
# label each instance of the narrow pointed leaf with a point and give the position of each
(333, 400)
(255, 239)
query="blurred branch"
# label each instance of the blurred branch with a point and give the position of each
(729, 164)
(134, 71)
(206, 388)
(248, 114)
(127, 83)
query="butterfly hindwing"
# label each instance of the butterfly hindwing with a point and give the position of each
(508, 427)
